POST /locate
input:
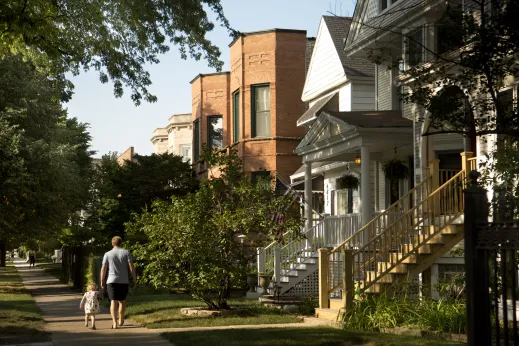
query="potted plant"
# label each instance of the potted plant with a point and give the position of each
(395, 170)
(264, 281)
(252, 277)
(348, 181)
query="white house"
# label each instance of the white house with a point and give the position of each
(176, 138)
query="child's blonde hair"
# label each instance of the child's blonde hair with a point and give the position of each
(92, 287)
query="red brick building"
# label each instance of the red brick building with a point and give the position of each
(255, 106)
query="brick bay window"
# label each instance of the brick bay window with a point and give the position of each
(196, 140)
(215, 131)
(236, 116)
(263, 176)
(260, 112)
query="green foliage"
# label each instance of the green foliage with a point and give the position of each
(348, 181)
(118, 38)
(461, 88)
(395, 170)
(45, 164)
(119, 191)
(90, 271)
(307, 306)
(193, 242)
(379, 312)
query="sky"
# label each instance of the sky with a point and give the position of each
(116, 123)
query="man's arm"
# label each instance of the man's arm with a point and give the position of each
(103, 275)
(134, 273)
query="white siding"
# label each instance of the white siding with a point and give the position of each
(381, 184)
(345, 98)
(384, 89)
(363, 97)
(325, 68)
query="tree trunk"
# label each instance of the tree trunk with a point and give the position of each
(2, 253)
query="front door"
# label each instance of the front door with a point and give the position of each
(450, 165)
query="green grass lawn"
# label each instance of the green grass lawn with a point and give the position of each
(312, 336)
(20, 318)
(163, 311)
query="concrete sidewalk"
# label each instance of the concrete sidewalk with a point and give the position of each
(60, 309)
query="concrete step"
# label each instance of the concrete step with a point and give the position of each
(307, 260)
(328, 314)
(285, 272)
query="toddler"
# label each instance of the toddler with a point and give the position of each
(91, 302)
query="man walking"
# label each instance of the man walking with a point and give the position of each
(117, 263)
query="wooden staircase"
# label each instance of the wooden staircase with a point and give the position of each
(397, 245)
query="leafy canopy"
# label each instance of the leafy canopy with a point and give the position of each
(194, 242)
(114, 37)
(45, 164)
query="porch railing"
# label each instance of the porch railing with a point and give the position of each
(371, 253)
(330, 231)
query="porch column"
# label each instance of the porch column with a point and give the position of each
(365, 187)
(308, 195)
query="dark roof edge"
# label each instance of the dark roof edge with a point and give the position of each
(267, 31)
(208, 75)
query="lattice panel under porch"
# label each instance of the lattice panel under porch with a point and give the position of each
(309, 286)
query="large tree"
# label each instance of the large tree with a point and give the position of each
(44, 155)
(194, 242)
(114, 37)
(120, 191)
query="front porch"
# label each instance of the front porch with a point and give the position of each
(356, 144)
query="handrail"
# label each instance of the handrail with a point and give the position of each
(374, 259)
(424, 184)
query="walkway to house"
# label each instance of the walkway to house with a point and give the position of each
(60, 309)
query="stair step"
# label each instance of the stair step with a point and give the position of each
(449, 229)
(412, 258)
(307, 260)
(397, 269)
(428, 249)
(436, 239)
(372, 275)
(285, 272)
(336, 304)
(328, 314)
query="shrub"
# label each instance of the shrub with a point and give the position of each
(307, 306)
(380, 312)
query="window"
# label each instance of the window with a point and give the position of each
(185, 152)
(215, 131)
(260, 110)
(196, 140)
(385, 4)
(344, 200)
(415, 47)
(236, 116)
(264, 176)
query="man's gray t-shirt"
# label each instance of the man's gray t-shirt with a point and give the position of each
(117, 261)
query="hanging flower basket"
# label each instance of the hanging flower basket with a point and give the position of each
(348, 181)
(395, 170)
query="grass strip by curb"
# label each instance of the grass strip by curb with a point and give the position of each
(20, 317)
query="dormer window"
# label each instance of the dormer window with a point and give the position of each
(386, 3)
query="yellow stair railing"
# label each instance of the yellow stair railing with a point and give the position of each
(376, 249)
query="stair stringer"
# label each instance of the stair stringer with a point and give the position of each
(305, 267)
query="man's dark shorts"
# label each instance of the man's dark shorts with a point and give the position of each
(117, 291)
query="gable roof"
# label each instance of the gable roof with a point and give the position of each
(329, 65)
(313, 112)
(353, 122)
(339, 28)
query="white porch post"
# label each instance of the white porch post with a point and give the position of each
(308, 195)
(365, 187)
